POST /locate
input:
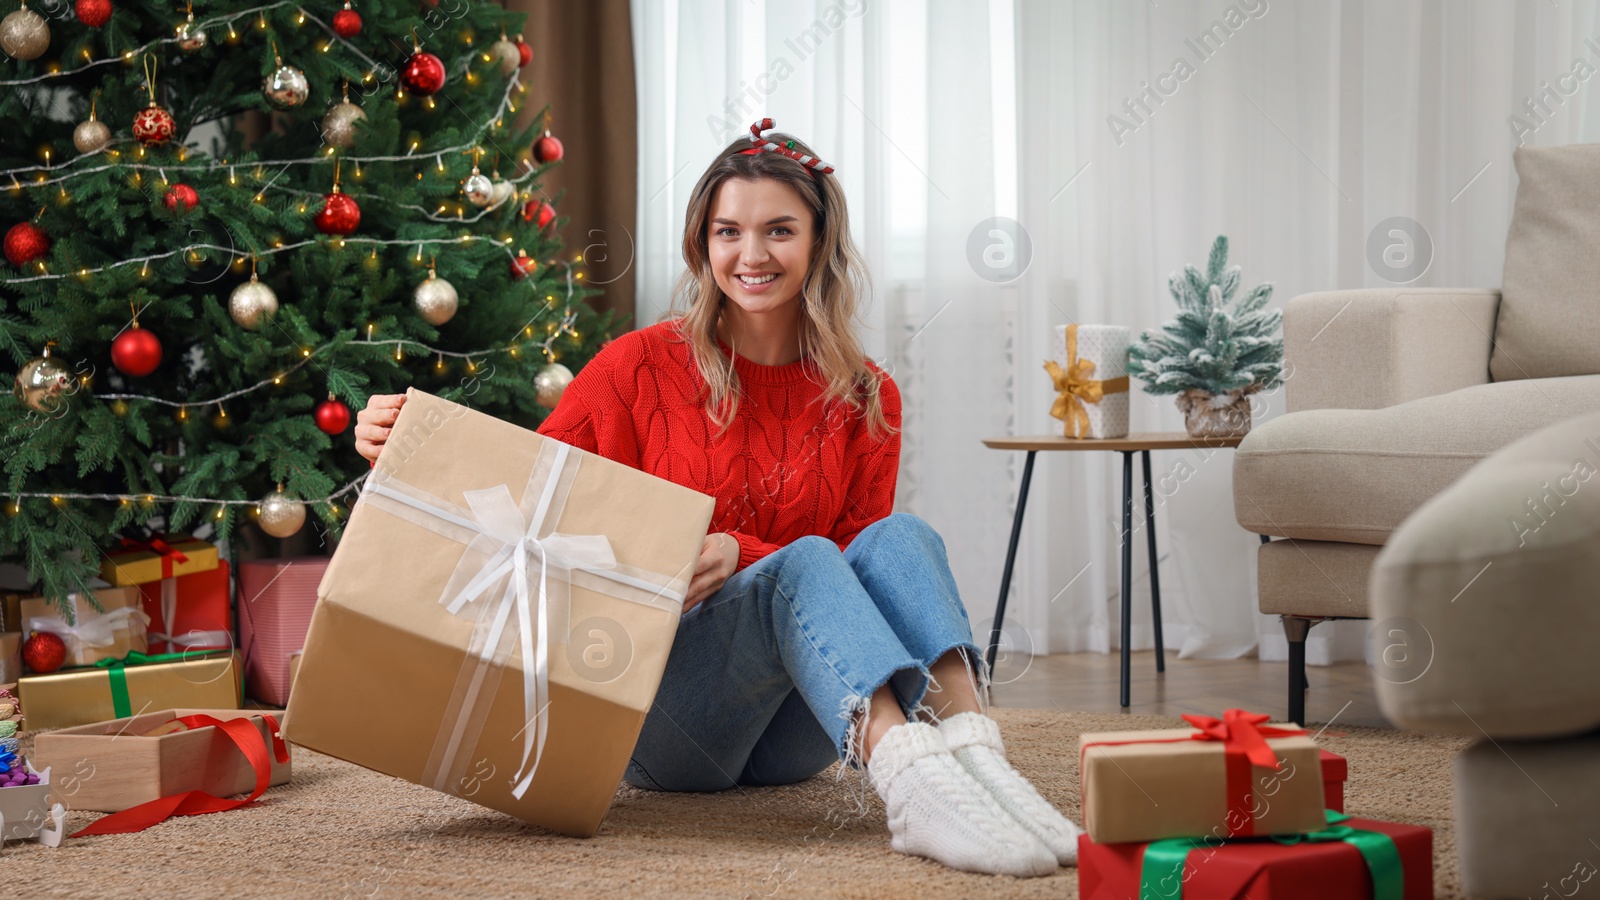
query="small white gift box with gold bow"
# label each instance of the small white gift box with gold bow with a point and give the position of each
(1089, 365)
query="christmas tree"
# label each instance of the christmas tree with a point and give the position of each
(1216, 347)
(191, 326)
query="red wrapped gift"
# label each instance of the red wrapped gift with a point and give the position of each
(1351, 858)
(189, 612)
(1334, 773)
(276, 597)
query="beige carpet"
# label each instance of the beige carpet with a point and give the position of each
(339, 830)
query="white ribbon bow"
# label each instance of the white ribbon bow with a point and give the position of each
(92, 631)
(504, 556)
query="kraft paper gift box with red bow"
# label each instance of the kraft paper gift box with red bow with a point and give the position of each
(276, 597)
(1346, 858)
(497, 617)
(110, 766)
(113, 631)
(115, 689)
(189, 612)
(1223, 778)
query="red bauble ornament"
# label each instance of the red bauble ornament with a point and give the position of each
(523, 50)
(44, 652)
(547, 149)
(347, 22)
(153, 125)
(26, 242)
(136, 352)
(339, 215)
(332, 416)
(93, 13)
(538, 211)
(180, 198)
(524, 265)
(423, 73)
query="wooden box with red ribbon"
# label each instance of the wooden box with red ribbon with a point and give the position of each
(111, 766)
(116, 689)
(162, 556)
(1346, 858)
(1228, 777)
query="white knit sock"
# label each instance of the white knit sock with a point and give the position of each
(974, 740)
(938, 811)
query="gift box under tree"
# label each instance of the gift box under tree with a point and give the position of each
(497, 617)
(276, 597)
(189, 612)
(117, 689)
(118, 627)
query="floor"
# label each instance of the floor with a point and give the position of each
(1341, 693)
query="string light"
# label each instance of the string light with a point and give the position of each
(220, 502)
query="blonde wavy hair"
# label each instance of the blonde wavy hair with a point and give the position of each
(830, 295)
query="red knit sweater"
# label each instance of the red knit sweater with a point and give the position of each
(787, 467)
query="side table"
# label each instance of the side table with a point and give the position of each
(1142, 444)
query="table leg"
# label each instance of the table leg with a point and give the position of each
(1155, 569)
(1011, 559)
(1127, 568)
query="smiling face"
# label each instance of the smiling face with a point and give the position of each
(759, 241)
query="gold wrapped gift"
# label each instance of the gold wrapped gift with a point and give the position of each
(141, 561)
(115, 691)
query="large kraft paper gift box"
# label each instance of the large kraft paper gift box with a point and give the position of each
(1229, 777)
(125, 762)
(496, 619)
(114, 690)
(113, 631)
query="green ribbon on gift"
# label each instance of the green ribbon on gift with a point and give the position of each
(116, 671)
(1161, 873)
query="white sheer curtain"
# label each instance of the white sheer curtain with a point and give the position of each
(1292, 128)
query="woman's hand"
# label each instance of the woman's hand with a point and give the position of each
(719, 557)
(374, 423)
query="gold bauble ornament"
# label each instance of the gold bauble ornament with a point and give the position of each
(91, 136)
(24, 34)
(436, 300)
(509, 56)
(42, 383)
(339, 124)
(190, 36)
(281, 514)
(286, 87)
(251, 303)
(550, 384)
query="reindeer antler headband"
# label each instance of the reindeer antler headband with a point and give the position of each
(762, 145)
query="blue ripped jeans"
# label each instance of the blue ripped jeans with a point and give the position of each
(766, 675)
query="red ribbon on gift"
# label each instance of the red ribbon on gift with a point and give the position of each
(159, 546)
(1244, 744)
(246, 737)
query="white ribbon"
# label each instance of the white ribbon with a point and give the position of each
(504, 556)
(93, 631)
(194, 638)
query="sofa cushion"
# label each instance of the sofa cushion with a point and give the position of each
(1499, 571)
(1549, 319)
(1355, 474)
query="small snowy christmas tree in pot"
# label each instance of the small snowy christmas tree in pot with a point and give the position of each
(1217, 352)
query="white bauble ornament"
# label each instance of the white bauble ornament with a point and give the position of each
(436, 300)
(252, 303)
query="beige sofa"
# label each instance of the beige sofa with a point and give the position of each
(1490, 591)
(1394, 394)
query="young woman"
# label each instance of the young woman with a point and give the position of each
(818, 625)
